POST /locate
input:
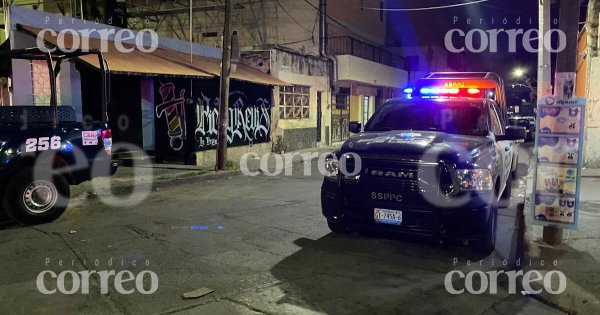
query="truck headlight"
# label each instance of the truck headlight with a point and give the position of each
(332, 167)
(477, 179)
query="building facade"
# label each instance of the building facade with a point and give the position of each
(329, 85)
(161, 101)
(588, 77)
(328, 88)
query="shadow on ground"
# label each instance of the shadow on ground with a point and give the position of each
(346, 273)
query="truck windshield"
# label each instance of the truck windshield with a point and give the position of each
(450, 117)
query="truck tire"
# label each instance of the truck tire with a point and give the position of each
(515, 164)
(338, 227)
(36, 201)
(487, 243)
(504, 201)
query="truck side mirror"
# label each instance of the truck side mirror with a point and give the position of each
(354, 126)
(513, 133)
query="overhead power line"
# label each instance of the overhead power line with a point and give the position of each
(293, 19)
(338, 22)
(427, 8)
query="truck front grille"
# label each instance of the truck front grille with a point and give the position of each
(411, 177)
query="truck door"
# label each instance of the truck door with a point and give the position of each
(505, 148)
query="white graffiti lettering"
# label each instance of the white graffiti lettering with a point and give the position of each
(247, 123)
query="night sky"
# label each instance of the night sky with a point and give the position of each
(429, 28)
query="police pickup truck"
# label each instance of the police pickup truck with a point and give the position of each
(44, 149)
(433, 167)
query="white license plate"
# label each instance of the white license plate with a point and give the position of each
(387, 216)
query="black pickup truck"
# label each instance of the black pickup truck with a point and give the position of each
(428, 167)
(44, 149)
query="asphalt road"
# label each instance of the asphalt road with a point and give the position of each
(260, 243)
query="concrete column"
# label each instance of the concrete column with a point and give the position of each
(21, 83)
(147, 89)
(69, 88)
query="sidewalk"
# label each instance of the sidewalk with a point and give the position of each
(161, 175)
(577, 256)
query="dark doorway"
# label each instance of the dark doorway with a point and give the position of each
(340, 115)
(319, 116)
(124, 106)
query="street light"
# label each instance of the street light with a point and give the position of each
(519, 72)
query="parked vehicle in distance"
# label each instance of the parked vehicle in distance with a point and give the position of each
(44, 149)
(525, 121)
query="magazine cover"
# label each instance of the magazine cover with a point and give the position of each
(559, 150)
(555, 208)
(556, 179)
(561, 120)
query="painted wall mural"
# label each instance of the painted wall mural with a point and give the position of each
(249, 120)
(173, 110)
(186, 107)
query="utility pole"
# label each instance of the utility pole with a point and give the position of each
(544, 79)
(191, 31)
(593, 16)
(566, 61)
(224, 90)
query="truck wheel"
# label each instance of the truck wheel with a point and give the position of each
(515, 164)
(36, 201)
(487, 243)
(504, 201)
(338, 227)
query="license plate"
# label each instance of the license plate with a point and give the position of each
(387, 216)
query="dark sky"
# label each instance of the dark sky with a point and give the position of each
(430, 27)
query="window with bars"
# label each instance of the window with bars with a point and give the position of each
(41, 89)
(294, 102)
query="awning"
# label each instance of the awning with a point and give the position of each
(242, 72)
(159, 62)
(135, 62)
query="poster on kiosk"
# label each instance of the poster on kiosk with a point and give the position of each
(558, 160)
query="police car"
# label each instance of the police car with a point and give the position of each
(45, 149)
(436, 164)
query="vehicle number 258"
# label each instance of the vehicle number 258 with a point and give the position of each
(42, 144)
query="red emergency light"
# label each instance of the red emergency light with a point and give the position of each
(449, 88)
(450, 92)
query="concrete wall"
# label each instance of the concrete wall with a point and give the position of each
(234, 154)
(592, 128)
(265, 22)
(307, 71)
(258, 23)
(352, 68)
(365, 24)
(69, 88)
(582, 65)
(430, 58)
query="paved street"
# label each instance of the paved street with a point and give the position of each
(260, 242)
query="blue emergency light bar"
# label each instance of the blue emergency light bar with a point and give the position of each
(438, 91)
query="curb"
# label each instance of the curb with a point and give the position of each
(126, 188)
(184, 178)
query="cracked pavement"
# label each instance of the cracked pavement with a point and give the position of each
(261, 243)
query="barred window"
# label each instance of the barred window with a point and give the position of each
(294, 102)
(41, 90)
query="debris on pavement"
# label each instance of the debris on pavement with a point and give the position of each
(197, 293)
